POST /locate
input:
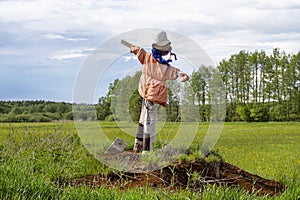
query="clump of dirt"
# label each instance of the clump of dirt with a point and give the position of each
(188, 174)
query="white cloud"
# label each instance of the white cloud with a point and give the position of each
(128, 58)
(61, 37)
(271, 4)
(74, 53)
(60, 30)
(68, 55)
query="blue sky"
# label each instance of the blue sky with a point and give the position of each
(43, 44)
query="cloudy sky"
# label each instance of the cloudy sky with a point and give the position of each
(44, 43)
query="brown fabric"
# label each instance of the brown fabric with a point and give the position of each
(153, 86)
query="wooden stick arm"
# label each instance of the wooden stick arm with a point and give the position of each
(127, 44)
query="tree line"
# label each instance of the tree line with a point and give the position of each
(34, 111)
(261, 87)
(45, 111)
(256, 87)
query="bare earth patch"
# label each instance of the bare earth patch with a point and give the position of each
(186, 174)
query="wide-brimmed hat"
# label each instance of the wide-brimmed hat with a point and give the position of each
(161, 42)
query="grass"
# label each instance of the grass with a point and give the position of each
(36, 156)
(268, 149)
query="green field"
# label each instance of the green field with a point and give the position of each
(36, 156)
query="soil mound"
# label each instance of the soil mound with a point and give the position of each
(187, 174)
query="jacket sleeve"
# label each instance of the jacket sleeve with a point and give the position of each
(172, 73)
(139, 52)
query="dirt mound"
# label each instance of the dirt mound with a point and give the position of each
(194, 175)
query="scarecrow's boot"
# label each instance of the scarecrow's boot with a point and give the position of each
(146, 142)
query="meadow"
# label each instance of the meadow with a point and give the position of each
(37, 159)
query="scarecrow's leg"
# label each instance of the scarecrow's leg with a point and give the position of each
(139, 138)
(149, 126)
(138, 143)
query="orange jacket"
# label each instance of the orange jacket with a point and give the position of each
(153, 86)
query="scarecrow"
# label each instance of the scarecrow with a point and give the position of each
(156, 70)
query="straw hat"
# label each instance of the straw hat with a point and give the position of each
(161, 42)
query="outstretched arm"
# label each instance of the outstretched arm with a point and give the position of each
(183, 76)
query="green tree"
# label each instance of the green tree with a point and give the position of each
(63, 107)
(50, 108)
(259, 112)
(120, 93)
(135, 106)
(175, 89)
(17, 110)
(103, 108)
(200, 82)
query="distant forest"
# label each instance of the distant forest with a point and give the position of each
(256, 86)
(34, 111)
